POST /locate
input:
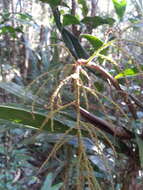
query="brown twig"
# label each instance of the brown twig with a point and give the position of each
(110, 128)
(113, 81)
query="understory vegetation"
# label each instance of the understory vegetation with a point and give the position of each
(71, 95)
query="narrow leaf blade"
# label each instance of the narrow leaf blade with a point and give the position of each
(70, 19)
(20, 92)
(127, 73)
(94, 41)
(120, 7)
(20, 114)
(48, 182)
(140, 146)
(96, 21)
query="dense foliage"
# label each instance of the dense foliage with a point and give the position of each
(71, 110)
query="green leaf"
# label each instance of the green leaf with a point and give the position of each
(23, 115)
(96, 21)
(140, 146)
(24, 16)
(120, 7)
(48, 182)
(126, 73)
(70, 19)
(52, 3)
(99, 86)
(6, 29)
(94, 41)
(6, 15)
(20, 92)
(70, 40)
(10, 29)
(84, 6)
(57, 186)
(73, 44)
(2, 149)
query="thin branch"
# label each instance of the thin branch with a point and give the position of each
(113, 81)
(110, 128)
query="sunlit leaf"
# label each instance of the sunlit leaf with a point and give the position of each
(9, 29)
(96, 21)
(120, 7)
(126, 73)
(94, 41)
(70, 19)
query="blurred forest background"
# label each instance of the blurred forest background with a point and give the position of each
(71, 94)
